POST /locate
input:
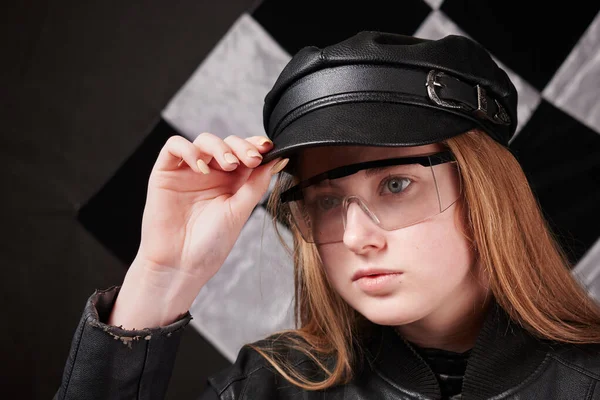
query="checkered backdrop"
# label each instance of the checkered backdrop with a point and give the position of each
(112, 82)
(557, 75)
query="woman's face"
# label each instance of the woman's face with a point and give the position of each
(431, 260)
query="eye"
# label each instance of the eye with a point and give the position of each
(397, 184)
(327, 202)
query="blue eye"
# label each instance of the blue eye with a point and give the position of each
(397, 184)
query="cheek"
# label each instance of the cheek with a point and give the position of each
(435, 249)
(431, 253)
(436, 252)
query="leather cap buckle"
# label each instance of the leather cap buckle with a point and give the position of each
(480, 109)
(500, 117)
(431, 83)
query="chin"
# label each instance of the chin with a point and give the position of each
(390, 319)
(390, 314)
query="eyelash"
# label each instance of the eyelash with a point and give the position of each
(388, 178)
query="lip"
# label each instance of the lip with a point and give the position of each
(365, 272)
(378, 284)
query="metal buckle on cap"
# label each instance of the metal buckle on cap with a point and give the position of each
(431, 83)
(501, 117)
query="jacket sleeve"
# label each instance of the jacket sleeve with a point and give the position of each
(107, 362)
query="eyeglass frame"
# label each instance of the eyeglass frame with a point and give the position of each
(295, 192)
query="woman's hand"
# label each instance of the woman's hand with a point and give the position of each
(194, 212)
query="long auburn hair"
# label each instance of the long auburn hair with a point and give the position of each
(529, 274)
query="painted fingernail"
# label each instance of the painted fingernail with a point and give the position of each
(264, 141)
(279, 166)
(253, 153)
(230, 158)
(202, 167)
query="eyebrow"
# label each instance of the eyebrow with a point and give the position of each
(368, 173)
(374, 171)
(326, 183)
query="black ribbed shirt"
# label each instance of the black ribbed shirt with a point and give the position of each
(449, 369)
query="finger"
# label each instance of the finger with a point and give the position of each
(262, 143)
(176, 150)
(216, 153)
(244, 150)
(249, 194)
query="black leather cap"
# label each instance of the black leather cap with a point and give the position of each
(385, 89)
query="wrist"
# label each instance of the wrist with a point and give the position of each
(151, 297)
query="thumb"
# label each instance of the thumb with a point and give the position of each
(250, 193)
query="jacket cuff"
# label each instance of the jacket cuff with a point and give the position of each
(110, 362)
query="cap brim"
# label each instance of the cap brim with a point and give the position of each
(369, 124)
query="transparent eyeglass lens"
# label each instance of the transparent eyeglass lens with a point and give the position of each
(393, 198)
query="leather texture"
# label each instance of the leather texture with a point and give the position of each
(107, 362)
(506, 363)
(385, 89)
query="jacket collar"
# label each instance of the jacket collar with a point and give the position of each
(504, 355)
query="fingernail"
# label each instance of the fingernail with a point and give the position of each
(230, 158)
(180, 162)
(253, 153)
(279, 166)
(264, 141)
(202, 167)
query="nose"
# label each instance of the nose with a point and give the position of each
(361, 233)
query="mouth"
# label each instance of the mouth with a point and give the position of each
(373, 273)
(377, 282)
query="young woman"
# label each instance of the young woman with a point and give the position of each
(423, 266)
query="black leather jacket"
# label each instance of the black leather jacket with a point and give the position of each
(107, 362)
